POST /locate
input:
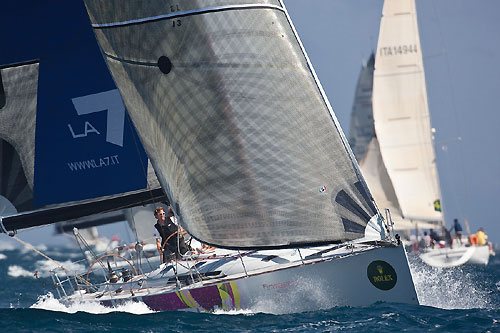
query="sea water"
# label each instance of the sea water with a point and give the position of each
(460, 299)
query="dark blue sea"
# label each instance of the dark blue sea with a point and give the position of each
(460, 299)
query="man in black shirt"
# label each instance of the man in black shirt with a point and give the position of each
(171, 241)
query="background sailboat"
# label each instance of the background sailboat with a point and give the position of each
(400, 163)
(461, 75)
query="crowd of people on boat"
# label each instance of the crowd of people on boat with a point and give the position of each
(433, 239)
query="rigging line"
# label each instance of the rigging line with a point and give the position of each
(454, 193)
(135, 227)
(184, 14)
(84, 242)
(454, 108)
(80, 246)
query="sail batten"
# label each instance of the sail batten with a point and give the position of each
(183, 14)
(235, 123)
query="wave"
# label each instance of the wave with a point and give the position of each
(50, 303)
(7, 246)
(448, 288)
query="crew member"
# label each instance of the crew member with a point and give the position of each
(172, 242)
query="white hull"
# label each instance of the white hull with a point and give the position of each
(460, 255)
(275, 281)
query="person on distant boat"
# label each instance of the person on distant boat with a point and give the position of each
(172, 242)
(435, 238)
(447, 237)
(481, 237)
(425, 241)
(458, 230)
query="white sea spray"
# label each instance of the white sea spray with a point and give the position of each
(50, 303)
(448, 288)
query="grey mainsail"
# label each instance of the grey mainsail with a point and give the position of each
(240, 135)
(361, 129)
(17, 128)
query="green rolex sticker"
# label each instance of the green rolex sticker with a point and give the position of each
(382, 275)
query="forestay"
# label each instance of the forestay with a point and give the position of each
(238, 131)
(401, 113)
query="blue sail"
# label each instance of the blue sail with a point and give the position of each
(85, 143)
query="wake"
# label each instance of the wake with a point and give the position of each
(50, 303)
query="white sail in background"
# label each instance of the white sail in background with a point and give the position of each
(401, 115)
(236, 126)
(381, 187)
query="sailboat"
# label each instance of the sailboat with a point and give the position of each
(399, 162)
(252, 160)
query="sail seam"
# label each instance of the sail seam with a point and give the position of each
(396, 74)
(183, 14)
(132, 62)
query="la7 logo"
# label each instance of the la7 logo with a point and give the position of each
(110, 101)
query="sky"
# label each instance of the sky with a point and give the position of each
(461, 47)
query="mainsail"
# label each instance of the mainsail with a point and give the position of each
(234, 120)
(401, 115)
(361, 129)
(67, 146)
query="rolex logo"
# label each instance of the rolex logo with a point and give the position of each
(382, 275)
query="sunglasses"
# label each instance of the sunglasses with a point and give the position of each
(160, 213)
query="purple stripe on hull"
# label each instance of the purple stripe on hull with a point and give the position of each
(207, 297)
(164, 302)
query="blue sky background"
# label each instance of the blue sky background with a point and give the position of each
(461, 46)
